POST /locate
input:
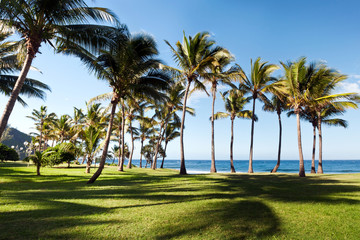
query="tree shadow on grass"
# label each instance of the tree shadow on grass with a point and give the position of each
(221, 206)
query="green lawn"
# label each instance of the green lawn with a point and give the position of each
(147, 204)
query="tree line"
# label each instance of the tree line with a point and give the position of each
(140, 81)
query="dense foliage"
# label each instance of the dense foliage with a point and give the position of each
(7, 153)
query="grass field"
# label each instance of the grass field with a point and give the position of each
(147, 204)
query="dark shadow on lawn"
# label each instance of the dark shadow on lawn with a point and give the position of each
(232, 203)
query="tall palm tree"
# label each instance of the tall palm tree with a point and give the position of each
(56, 22)
(8, 65)
(41, 117)
(234, 105)
(276, 105)
(323, 96)
(257, 84)
(295, 87)
(130, 68)
(194, 55)
(217, 74)
(62, 127)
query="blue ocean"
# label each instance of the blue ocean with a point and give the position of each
(241, 166)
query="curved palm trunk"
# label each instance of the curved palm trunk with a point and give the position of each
(106, 145)
(320, 168)
(301, 157)
(141, 148)
(279, 149)
(163, 160)
(313, 150)
(231, 146)
(252, 139)
(83, 160)
(17, 88)
(213, 167)
(182, 156)
(121, 166)
(132, 147)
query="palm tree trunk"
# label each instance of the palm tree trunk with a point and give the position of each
(120, 132)
(88, 164)
(182, 156)
(38, 169)
(83, 160)
(231, 146)
(213, 167)
(163, 160)
(279, 149)
(132, 147)
(301, 157)
(121, 166)
(40, 137)
(313, 150)
(320, 168)
(141, 148)
(252, 139)
(106, 145)
(17, 88)
(154, 163)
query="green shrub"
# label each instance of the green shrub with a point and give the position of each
(64, 152)
(7, 153)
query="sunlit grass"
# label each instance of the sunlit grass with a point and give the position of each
(147, 204)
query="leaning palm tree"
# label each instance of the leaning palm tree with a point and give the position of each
(92, 137)
(194, 55)
(276, 105)
(257, 84)
(56, 22)
(130, 68)
(234, 105)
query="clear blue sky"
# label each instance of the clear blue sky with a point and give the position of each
(321, 30)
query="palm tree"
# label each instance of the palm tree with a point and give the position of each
(129, 67)
(257, 84)
(276, 105)
(8, 65)
(234, 105)
(193, 56)
(63, 22)
(322, 98)
(62, 127)
(170, 134)
(295, 86)
(41, 117)
(216, 75)
(92, 136)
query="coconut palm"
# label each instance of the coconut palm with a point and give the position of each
(62, 128)
(194, 55)
(41, 117)
(276, 105)
(257, 84)
(295, 87)
(129, 67)
(215, 75)
(10, 64)
(322, 96)
(92, 137)
(58, 23)
(170, 134)
(234, 105)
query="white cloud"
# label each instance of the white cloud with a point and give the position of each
(350, 87)
(356, 76)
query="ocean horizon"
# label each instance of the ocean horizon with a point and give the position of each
(241, 166)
